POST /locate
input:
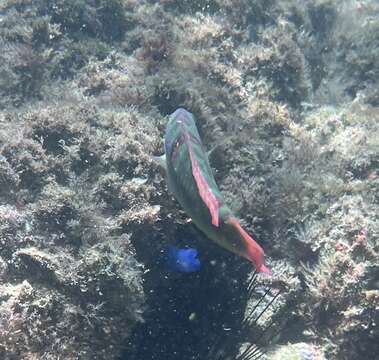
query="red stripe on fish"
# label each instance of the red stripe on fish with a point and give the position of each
(204, 189)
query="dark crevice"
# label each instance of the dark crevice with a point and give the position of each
(187, 314)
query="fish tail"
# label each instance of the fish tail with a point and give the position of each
(254, 252)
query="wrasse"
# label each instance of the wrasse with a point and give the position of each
(191, 181)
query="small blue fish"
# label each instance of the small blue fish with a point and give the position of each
(181, 260)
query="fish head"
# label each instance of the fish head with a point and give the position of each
(174, 134)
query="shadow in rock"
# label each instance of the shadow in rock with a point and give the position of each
(188, 313)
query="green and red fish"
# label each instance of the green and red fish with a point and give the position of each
(191, 181)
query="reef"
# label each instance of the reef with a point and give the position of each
(285, 92)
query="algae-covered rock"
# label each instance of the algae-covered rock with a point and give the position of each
(70, 283)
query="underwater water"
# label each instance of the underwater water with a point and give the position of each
(256, 237)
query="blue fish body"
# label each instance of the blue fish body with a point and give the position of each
(182, 260)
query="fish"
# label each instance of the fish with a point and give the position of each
(191, 181)
(181, 260)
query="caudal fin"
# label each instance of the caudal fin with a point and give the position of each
(254, 252)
